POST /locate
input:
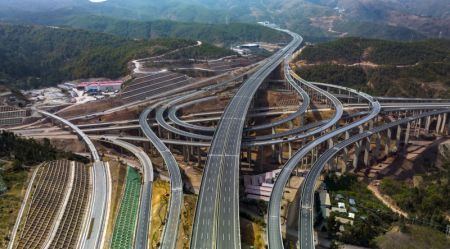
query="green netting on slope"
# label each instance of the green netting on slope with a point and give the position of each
(124, 228)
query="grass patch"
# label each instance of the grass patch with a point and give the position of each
(11, 201)
(160, 202)
(413, 237)
(253, 237)
(187, 216)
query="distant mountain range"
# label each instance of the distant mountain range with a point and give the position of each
(315, 19)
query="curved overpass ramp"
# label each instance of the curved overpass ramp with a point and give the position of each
(169, 237)
(145, 207)
(306, 229)
(94, 230)
(274, 223)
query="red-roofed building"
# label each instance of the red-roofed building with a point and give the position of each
(102, 86)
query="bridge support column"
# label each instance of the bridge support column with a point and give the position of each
(448, 127)
(376, 153)
(273, 145)
(188, 154)
(169, 137)
(356, 155)
(313, 155)
(417, 128)
(397, 137)
(387, 146)
(444, 120)
(184, 154)
(199, 157)
(280, 153)
(345, 155)
(408, 129)
(330, 143)
(146, 147)
(289, 149)
(427, 125)
(249, 157)
(260, 151)
(438, 124)
(291, 125)
(367, 152)
(361, 129)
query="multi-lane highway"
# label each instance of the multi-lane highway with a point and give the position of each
(216, 222)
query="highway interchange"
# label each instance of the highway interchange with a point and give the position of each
(217, 220)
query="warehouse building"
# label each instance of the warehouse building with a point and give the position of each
(100, 86)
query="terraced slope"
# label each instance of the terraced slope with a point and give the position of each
(125, 226)
(68, 233)
(45, 204)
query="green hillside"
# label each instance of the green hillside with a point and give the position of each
(224, 34)
(353, 50)
(33, 56)
(408, 69)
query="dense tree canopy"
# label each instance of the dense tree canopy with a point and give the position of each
(32, 56)
(406, 69)
(30, 152)
(354, 50)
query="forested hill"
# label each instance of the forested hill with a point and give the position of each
(34, 56)
(356, 50)
(382, 68)
(223, 34)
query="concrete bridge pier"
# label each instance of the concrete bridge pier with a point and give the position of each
(448, 126)
(280, 153)
(199, 157)
(290, 149)
(376, 153)
(146, 147)
(313, 155)
(427, 125)
(417, 127)
(408, 129)
(249, 157)
(330, 143)
(356, 154)
(188, 154)
(387, 146)
(397, 137)
(367, 152)
(438, 124)
(273, 145)
(345, 155)
(444, 120)
(184, 154)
